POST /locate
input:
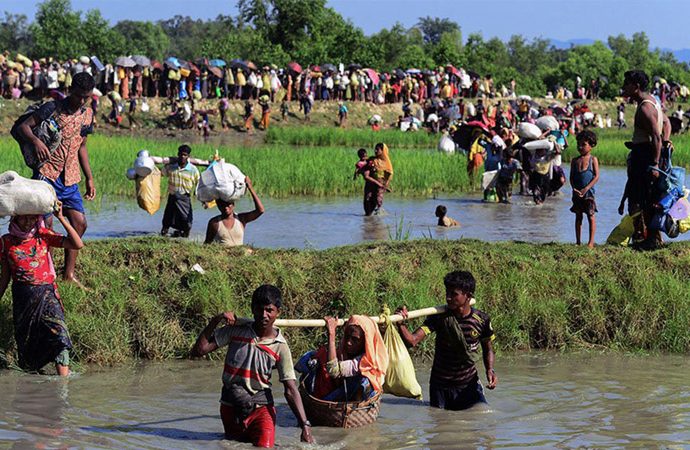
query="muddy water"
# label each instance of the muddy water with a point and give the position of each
(321, 223)
(543, 400)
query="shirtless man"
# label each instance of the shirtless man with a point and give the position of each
(651, 130)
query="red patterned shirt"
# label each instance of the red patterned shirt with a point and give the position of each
(28, 259)
(74, 128)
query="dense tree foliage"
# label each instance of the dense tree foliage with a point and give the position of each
(309, 32)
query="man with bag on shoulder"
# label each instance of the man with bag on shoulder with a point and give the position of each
(62, 167)
(650, 134)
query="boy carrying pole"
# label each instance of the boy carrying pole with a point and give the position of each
(254, 351)
(454, 383)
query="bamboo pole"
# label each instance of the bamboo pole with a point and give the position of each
(308, 323)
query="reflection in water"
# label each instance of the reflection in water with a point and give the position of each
(543, 399)
(301, 222)
(38, 408)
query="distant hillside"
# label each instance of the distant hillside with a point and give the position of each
(682, 55)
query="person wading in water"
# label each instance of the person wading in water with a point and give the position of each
(650, 126)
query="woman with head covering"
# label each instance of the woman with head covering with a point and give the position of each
(39, 319)
(377, 176)
(351, 371)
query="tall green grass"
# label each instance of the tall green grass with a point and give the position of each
(145, 302)
(277, 171)
(611, 149)
(350, 137)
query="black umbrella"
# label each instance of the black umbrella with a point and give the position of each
(473, 74)
(239, 64)
(328, 67)
(354, 66)
(399, 73)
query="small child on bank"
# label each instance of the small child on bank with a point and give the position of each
(342, 114)
(361, 164)
(460, 332)
(248, 115)
(284, 110)
(443, 219)
(584, 174)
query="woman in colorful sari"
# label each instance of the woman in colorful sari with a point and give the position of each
(39, 317)
(377, 176)
(351, 371)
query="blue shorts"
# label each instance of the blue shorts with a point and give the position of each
(456, 399)
(68, 195)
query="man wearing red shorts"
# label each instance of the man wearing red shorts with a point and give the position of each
(254, 350)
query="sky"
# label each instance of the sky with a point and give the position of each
(664, 21)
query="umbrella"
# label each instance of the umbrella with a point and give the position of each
(525, 97)
(453, 70)
(173, 62)
(156, 65)
(373, 76)
(239, 64)
(251, 65)
(217, 63)
(202, 62)
(215, 71)
(328, 67)
(354, 66)
(125, 61)
(413, 71)
(399, 73)
(193, 68)
(141, 60)
(473, 74)
(295, 67)
(316, 68)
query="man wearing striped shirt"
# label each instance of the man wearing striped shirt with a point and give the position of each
(254, 351)
(460, 331)
(183, 177)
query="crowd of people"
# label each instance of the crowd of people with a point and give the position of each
(255, 350)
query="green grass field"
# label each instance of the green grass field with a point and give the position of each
(277, 171)
(145, 302)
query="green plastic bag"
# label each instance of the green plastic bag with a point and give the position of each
(400, 380)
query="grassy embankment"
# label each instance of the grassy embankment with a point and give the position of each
(146, 303)
(277, 171)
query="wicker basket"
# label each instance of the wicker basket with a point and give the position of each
(340, 414)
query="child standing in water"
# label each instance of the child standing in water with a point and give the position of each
(584, 174)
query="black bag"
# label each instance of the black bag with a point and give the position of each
(47, 131)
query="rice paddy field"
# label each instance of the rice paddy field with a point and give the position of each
(277, 171)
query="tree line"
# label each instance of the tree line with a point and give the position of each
(309, 32)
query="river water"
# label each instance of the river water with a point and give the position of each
(304, 222)
(544, 400)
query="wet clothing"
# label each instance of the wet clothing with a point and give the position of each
(259, 429)
(40, 330)
(373, 198)
(452, 366)
(178, 212)
(456, 399)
